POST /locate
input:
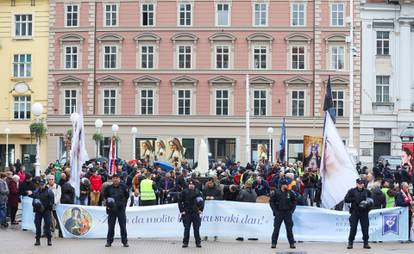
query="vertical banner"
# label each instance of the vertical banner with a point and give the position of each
(147, 150)
(262, 152)
(407, 154)
(312, 150)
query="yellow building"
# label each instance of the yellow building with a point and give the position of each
(24, 28)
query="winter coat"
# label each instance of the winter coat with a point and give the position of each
(26, 186)
(247, 195)
(13, 194)
(212, 192)
(68, 194)
(4, 191)
(96, 183)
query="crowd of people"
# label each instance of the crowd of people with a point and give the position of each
(151, 185)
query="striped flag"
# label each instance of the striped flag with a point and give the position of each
(111, 156)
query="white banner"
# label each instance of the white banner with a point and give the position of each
(230, 220)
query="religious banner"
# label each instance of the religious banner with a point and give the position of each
(407, 154)
(312, 150)
(262, 152)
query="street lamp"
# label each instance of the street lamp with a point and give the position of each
(7, 132)
(98, 125)
(37, 110)
(407, 135)
(134, 132)
(270, 133)
(115, 129)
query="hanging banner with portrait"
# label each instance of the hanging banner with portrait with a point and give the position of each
(407, 154)
(312, 150)
(175, 151)
(262, 152)
(146, 150)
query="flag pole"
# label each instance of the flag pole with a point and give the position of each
(351, 80)
(247, 119)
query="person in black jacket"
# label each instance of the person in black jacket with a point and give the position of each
(309, 179)
(27, 187)
(191, 205)
(230, 192)
(361, 202)
(68, 194)
(283, 204)
(43, 201)
(211, 192)
(116, 196)
(405, 199)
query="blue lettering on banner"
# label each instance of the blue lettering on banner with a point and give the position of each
(390, 223)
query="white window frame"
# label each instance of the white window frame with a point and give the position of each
(228, 14)
(185, 19)
(292, 6)
(297, 114)
(254, 47)
(141, 55)
(254, 14)
(65, 56)
(14, 24)
(382, 42)
(147, 98)
(27, 107)
(111, 11)
(27, 66)
(178, 56)
(110, 98)
(331, 23)
(291, 54)
(382, 86)
(116, 55)
(73, 108)
(66, 15)
(178, 101)
(153, 14)
(260, 99)
(335, 101)
(332, 64)
(222, 56)
(222, 99)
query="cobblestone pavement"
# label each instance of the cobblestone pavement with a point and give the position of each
(13, 240)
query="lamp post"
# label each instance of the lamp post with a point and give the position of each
(134, 132)
(98, 125)
(7, 132)
(270, 133)
(407, 135)
(115, 129)
(37, 110)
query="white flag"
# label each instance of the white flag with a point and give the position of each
(337, 169)
(78, 152)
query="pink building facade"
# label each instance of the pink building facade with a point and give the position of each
(178, 69)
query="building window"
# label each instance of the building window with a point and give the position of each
(222, 57)
(111, 15)
(185, 17)
(260, 14)
(23, 24)
(260, 57)
(109, 100)
(22, 65)
(298, 57)
(147, 102)
(298, 103)
(70, 101)
(22, 106)
(337, 14)
(184, 57)
(259, 102)
(184, 102)
(223, 14)
(383, 89)
(338, 102)
(298, 14)
(337, 58)
(110, 55)
(383, 43)
(147, 15)
(72, 15)
(222, 102)
(71, 57)
(147, 57)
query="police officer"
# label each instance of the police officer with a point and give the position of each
(191, 205)
(283, 204)
(43, 201)
(361, 202)
(116, 196)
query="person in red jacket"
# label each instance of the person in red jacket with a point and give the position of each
(96, 187)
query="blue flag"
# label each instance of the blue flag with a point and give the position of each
(282, 143)
(328, 104)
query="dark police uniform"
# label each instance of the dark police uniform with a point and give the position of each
(283, 204)
(359, 212)
(190, 203)
(43, 201)
(120, 195)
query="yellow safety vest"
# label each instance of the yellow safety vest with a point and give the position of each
(147, 192)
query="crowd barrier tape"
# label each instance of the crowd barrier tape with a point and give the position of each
(226, 219)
